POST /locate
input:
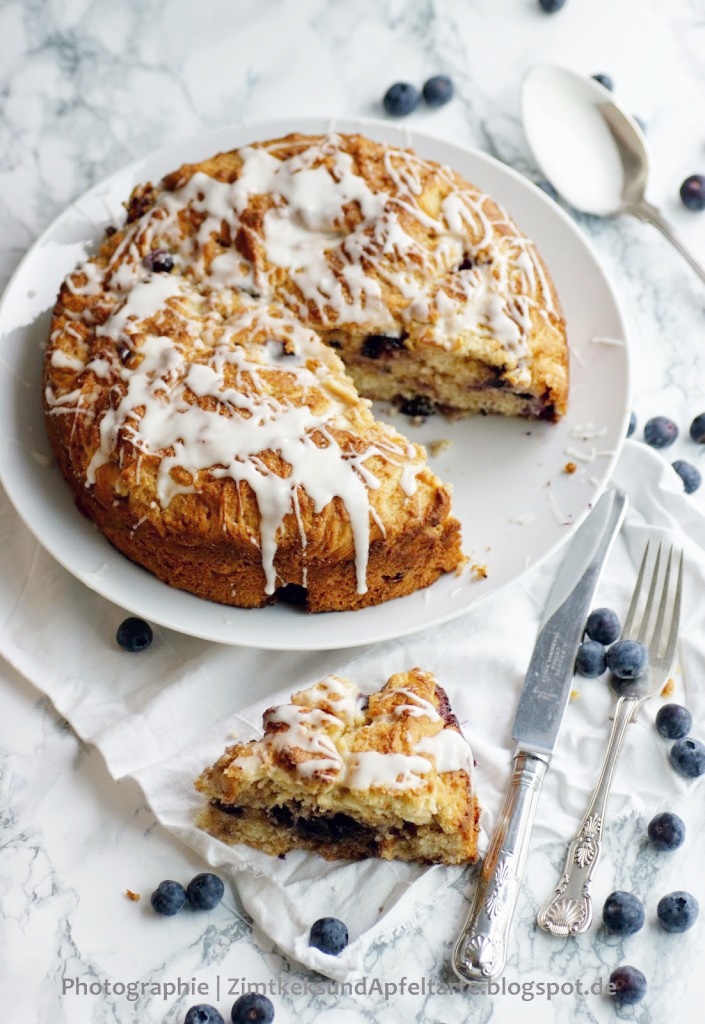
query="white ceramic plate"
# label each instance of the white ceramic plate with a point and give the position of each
(516, 502)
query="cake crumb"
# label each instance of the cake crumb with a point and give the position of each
(436, 447)
(575, 694)
(134, 896)
(569, 467)
(668, 688)
(479, 572)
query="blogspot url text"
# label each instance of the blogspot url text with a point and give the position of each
(221, 987)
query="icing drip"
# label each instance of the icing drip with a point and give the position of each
(369, 769)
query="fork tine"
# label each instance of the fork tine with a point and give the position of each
(657, 635)
(646, 617)
(675, 619)
(633, 604)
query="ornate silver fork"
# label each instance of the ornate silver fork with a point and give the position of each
(568, 910)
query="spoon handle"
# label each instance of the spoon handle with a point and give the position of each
(652, 215)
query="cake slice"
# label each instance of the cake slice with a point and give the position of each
(350, 776)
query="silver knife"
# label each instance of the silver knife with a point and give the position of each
(481, 950)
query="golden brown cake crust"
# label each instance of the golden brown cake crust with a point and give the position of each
(229, 296)
(348, 776)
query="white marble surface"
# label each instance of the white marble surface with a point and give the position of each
(87, 86)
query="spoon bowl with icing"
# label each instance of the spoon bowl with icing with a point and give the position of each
(593, 153)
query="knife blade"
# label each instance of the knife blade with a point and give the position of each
(481, 949)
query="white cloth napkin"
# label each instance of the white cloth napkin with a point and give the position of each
(163, 715)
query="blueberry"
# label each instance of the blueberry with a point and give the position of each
(252, 1008)
(641, 123)
(168, 898)
(692, 192)
(697, 428)
(660, 432)
(438, 90)
(603, 625)
(550, 6)
(329, 935)
(627, 985)
(605, 81)
(632, 424)
(688, 758)
(666, 831)
(202, 1013)
(419, 405)
(160, 261)
(689, 475)
(627, 659)
(205, 891)
(673, 721)
(134, 634)
(590, 661)
(400, 99)
(623, 913)
(378, 346)
(678, 911)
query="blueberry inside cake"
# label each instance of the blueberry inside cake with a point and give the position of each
(351, 776)
(210, 370)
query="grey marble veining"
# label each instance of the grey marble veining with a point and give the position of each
(88, 85)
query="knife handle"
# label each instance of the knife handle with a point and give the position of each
(481, 950)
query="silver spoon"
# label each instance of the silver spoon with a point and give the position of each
(594, 154)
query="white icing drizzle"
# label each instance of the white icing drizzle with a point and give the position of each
(417, 706)
(449, 750)
(306, 731)
(369, 769)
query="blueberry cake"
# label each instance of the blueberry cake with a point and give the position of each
(209, 372)
(350, 776)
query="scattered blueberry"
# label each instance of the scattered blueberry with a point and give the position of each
(660, 432)
(205, 891)
(329, 935)
(697, 428)
(632, 425)
(688, 758)
(400, 99)
(603, 625)
(623, 913)
(692, 192)
(168, 898)
(550, 6)
(202, 1013)
(437, 91)
(590, 661)
(252, 1008)
(627, 659)
(604, 81)
(673, 721)
(627, 985)
(677, 911)
(666, 831)
(546, 186)
(134, 634)
(160, 261)
(689, 475)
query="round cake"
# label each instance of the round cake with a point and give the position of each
(209, 373)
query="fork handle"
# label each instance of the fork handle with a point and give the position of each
(568, 910)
